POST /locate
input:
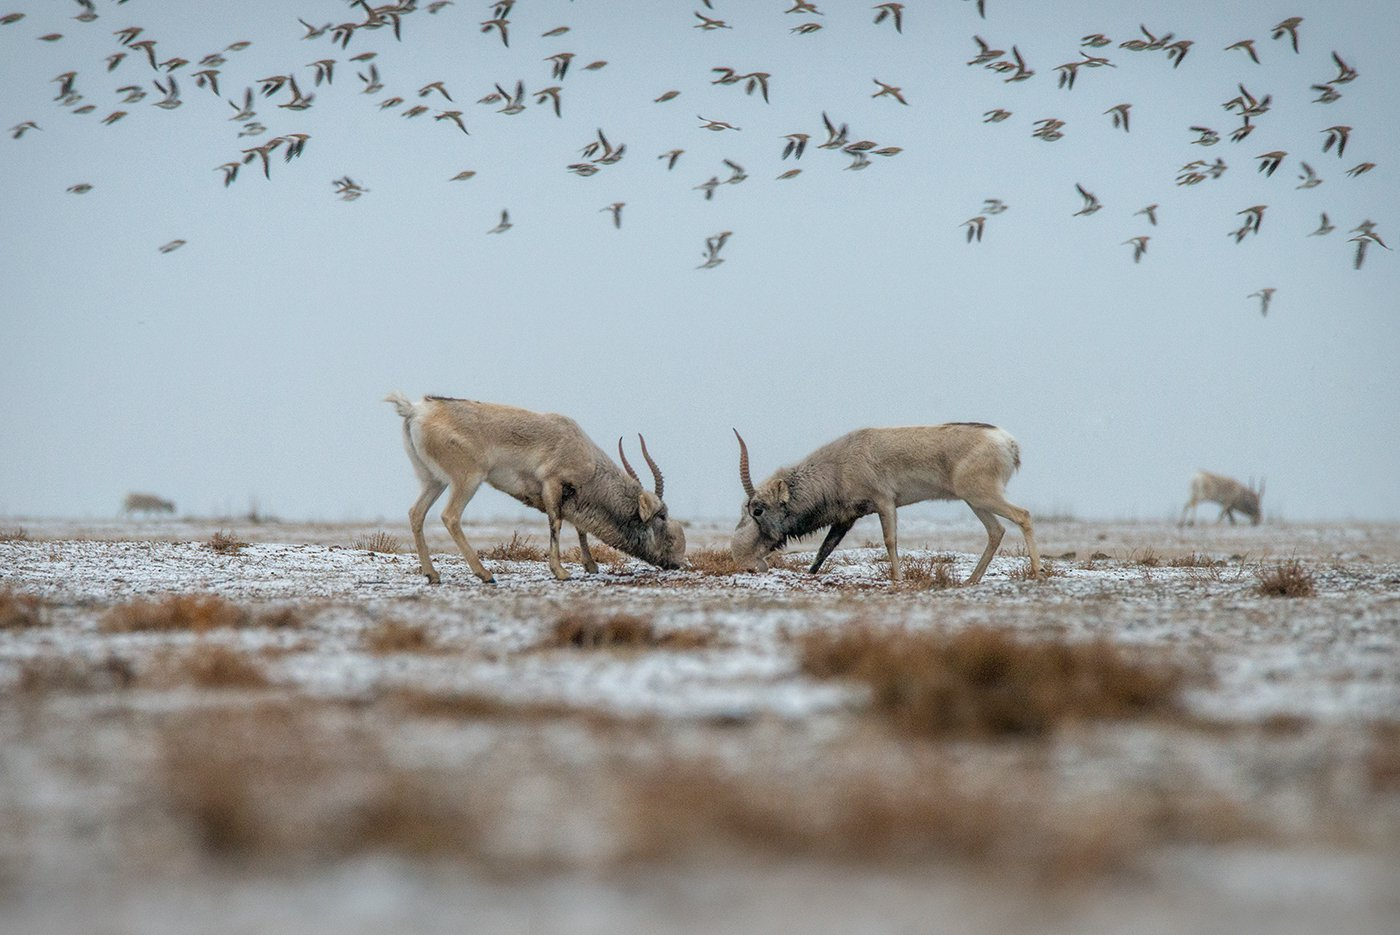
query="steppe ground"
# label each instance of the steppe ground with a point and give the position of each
(266, 727)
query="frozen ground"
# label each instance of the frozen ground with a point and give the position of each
(588, 779)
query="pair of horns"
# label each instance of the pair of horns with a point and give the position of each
(744, 465)
(655, 471)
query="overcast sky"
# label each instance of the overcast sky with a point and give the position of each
(250, 363)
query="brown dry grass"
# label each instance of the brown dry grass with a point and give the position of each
(198, 613)
(518, 549)
(210, 665)
(986, 682)
(226, 543)
(378, 541)
(63, 674)
(21, 611)
(591, 630)
(1286, 579)
(392, 635)
(1192, 560)
(1383, 758)
(272, 783)
(13, 534)
(602, 554)
(928, 573)
(719, 562)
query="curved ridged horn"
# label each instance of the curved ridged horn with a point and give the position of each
(655, 471)
(744, 465)
(625, 466)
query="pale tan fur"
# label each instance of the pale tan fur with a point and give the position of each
(878, 471)
(541, 459)
(1226, 491)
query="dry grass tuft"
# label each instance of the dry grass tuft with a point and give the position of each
(226, 543)
(711, 562)
(590, 630)
(1193, 560)
(1147, 558)
(21, 611)
(14, 534)
(379, 541)
(254, 784)
(210, 665)
(197, 613)
(1022, 572)
(392, 635)
(1383, 758)
(1286, 579)
(928, 573)
(518, 549)
(45, 674)
(285, 617)
(603, 554)
(986, 682)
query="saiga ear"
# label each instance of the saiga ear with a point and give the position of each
(783, 495)
(648, 504)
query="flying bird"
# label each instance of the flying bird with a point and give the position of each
(1246, 45)
(716, 125)
(1345, 72)
(616, 209)
(1139, 246)
(172, 246)
(1324, 228)
(549, 94)
(1091, 203)
(82, 188)
(975, 227)
(1151, 212)
(666, 96)
(1338, 135)
(1268, 162)
(1309, 177)
(889, 90)
(708, 23)
(890, 10)
(504, 225)
(560, 66)
(671, 157)
(1120, 115)
(1289, 27)
(796, 145)
(713, 245)
(1361, 168)
(1264, 296)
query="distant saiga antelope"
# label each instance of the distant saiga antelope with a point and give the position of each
(877, 471)
(1229, 493)
(146, 503)
(543, 460)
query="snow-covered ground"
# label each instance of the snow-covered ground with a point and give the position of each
(1280, 790)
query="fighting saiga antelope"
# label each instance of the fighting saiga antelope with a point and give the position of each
(546, 462)
(878, 471)
(1226, 491)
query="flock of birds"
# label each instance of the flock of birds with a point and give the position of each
(160, 69)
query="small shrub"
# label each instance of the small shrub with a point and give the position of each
(927, 573)
(586, 630)
(226, 543)
(378, 541)
(1022, 572)
(1147, 558)
(21, 611)
(193, 612)
(518, 549)
(392, 635)
(985, 682)
(13, 534)
(1287, 579)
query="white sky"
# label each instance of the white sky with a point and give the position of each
(251, 362)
